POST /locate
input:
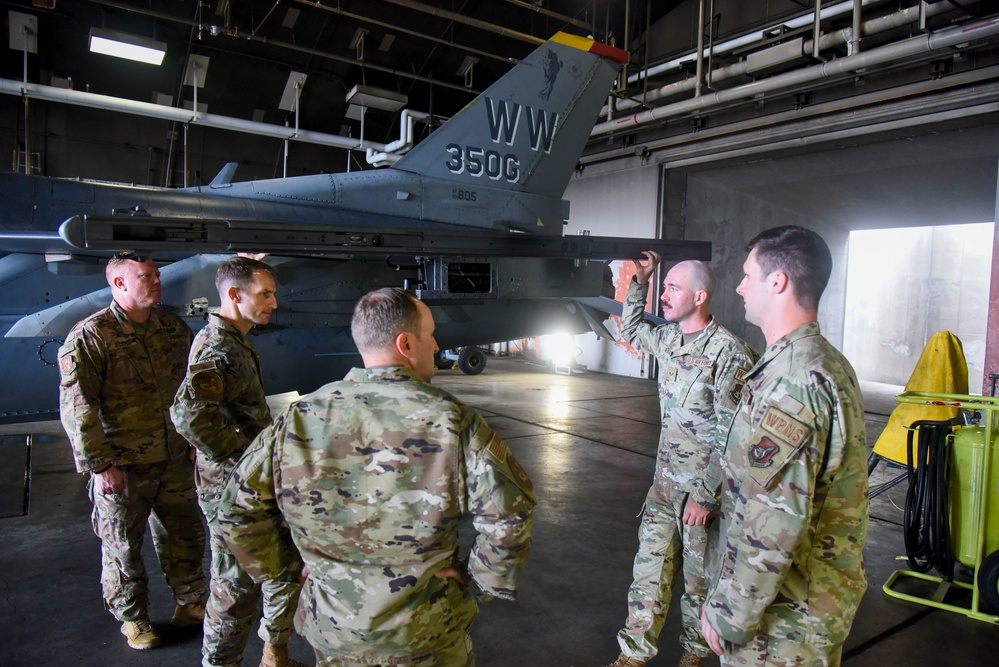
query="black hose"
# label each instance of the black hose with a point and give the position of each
(926, 522)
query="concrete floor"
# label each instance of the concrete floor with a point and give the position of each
(587, 440)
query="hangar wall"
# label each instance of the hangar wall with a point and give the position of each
(728, 219)
(619, 203)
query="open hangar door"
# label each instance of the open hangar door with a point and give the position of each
(935, 178)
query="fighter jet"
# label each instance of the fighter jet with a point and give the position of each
(471, 219)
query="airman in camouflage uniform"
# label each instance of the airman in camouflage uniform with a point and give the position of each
(794, 504)
(120, 369)
(702, 366)
(367, 479)
(220, 408)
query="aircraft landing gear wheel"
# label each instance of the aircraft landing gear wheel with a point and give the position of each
(471, 361)
(988, 583)
(441, 361)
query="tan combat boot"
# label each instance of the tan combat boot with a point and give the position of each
(689, 659)
(276, 655)
(625, 661)
(140, 634)
(188, 615)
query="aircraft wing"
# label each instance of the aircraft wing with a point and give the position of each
(148, 235)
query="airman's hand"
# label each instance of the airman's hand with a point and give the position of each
(111, 480)
(694, 514)
(709, 634)
(644, 271)
(451, 572)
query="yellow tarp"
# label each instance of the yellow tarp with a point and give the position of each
(941, 368)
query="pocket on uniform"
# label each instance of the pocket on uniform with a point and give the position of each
(109, 518)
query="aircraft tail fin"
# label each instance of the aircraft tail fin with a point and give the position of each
(225, 175)
(525, 133)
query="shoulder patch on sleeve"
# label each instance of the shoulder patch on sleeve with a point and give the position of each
(206, 385)
(763, 453)
(774, 445)
(507, 464)
(67, 363)
(205, 366)
(790, 405)
(767, 458)
(784, 427)
(498, 449)
(740, 374)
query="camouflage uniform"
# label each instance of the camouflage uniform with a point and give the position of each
(699, 387)
(368, 478)
(118, 380)
(220, 408)
(794, 509)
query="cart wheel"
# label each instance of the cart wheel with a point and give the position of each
(988, 583)
(471, 361)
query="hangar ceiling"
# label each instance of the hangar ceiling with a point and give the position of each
(440, 53)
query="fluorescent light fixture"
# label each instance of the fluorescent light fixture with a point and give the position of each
(123, 45)
(376, 98)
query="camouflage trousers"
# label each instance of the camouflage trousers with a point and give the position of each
(162, 495)
(664, 545)
(234, 602)
(459, 655)
(765, 651)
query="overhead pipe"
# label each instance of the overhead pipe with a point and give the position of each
(855, 41)
(467, 20)
(852, 133)
(27, 108)
(396, 28)
(860, 106)
(547, 12)
(892, 52)
(393, 151)
(817, 28)
(711, 42)
(216, 30)
(748, 39)
(627, 39)
(150, 110)
(880, 108)
(699, 73)
(827, 41)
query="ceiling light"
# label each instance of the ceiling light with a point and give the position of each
(376, 98)
(123, 45)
